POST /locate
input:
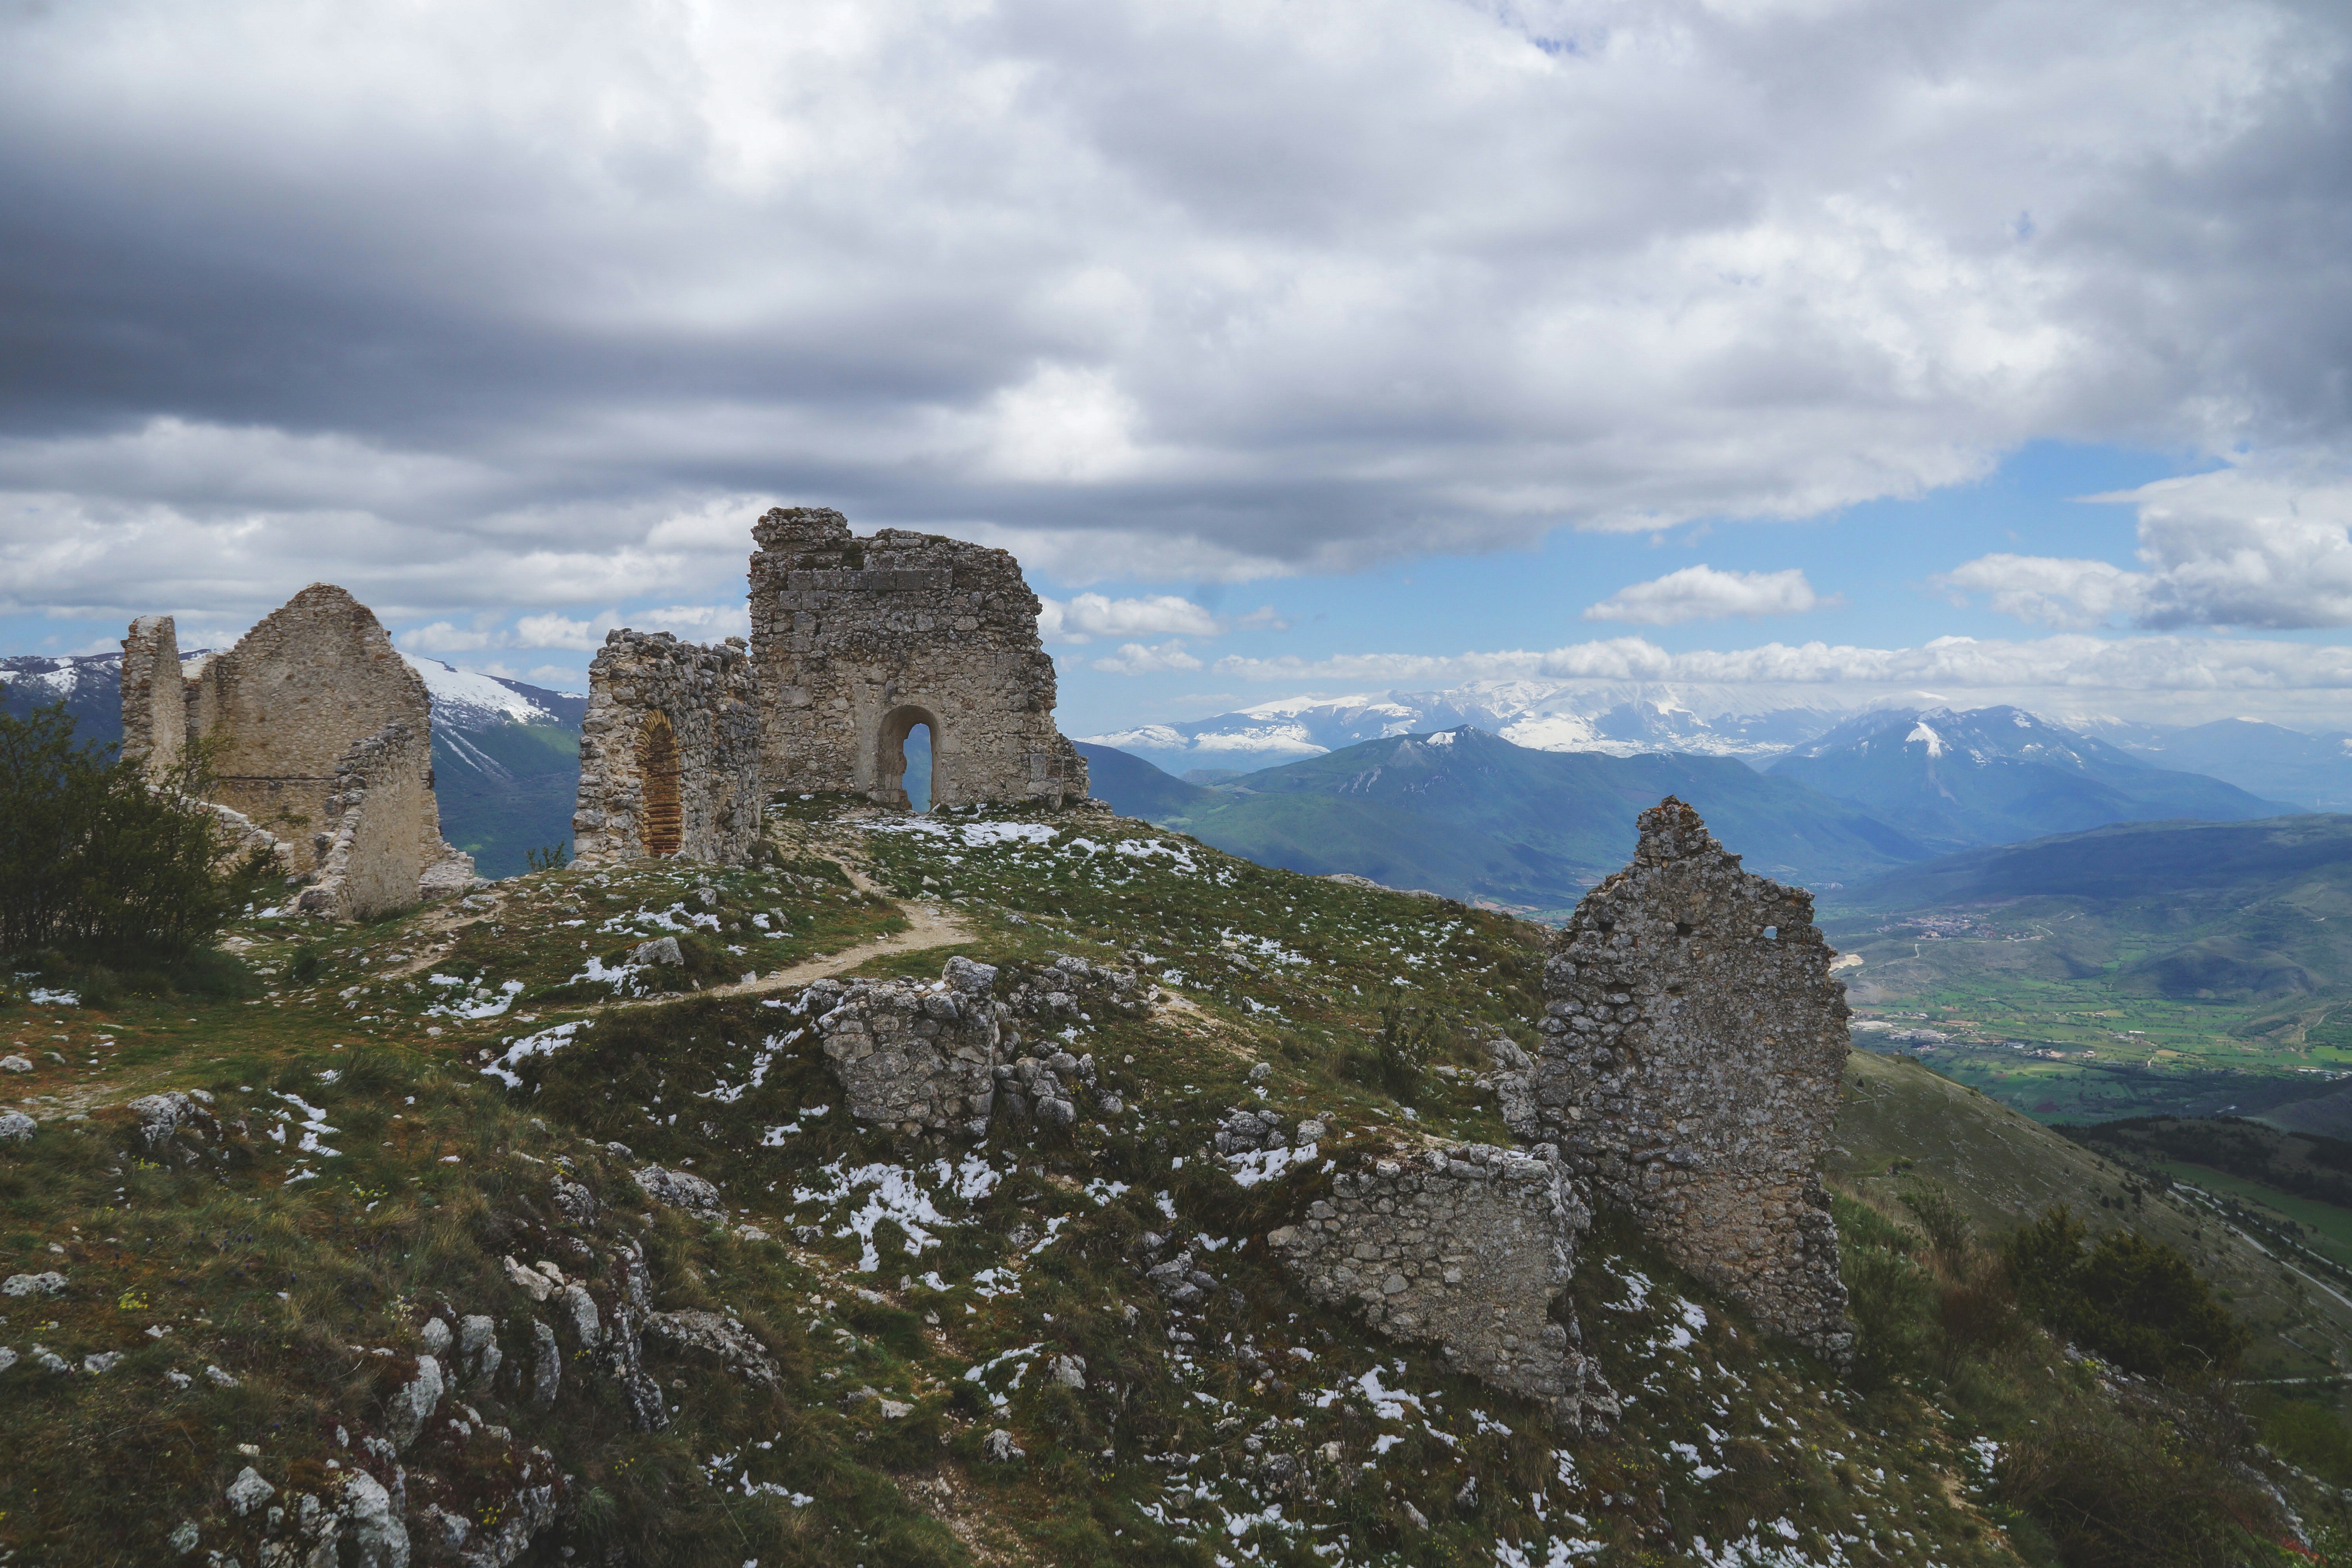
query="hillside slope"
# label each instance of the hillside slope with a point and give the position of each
(484, 1223)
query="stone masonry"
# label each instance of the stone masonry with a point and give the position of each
(1468, 1247)
(858, 640)
(669, 753)
(911, 1056)
(1693, 1045)
(311, 710)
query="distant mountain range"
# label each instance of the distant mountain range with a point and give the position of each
(1468, 814)
(1619, 719)
(1994, 775)
(506, 755)
(1623, 718)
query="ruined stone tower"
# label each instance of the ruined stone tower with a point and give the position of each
(669, 753)
(325, 739)
(858, 640)
(1693, 1046)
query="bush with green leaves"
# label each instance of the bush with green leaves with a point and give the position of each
(100, 862)
(2135, 1303)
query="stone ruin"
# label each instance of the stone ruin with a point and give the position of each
(859, 640)
(1465, 1246)
(324, 739)
(669, 753)
(1693, 1046)
(854, 643)
(942, 1057)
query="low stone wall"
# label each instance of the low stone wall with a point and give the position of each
(1693, 1044)
(1467, 1247)
(370, 855)
(669, 753)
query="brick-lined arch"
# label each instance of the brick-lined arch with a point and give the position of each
(660, 821)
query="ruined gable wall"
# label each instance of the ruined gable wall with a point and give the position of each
(1465, 1247)
(1692, 1047)
(669, 753)
(317, 676)
(319, 721)
(857, 639)
(154, 696)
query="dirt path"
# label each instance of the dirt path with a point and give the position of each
(927, 925)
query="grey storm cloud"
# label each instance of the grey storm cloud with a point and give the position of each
(537, 304)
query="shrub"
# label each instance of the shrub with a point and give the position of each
(2133, 1302)
(100, 862)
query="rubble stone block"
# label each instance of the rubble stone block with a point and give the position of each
(1467, 1247)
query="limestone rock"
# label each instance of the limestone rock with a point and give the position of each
(374, 1527)
(413, 1404)
(680, 1190)
(532, 1282)
(719, 1336)
(48, 1283)
(15, 1064)
(248, 1491)
(1000, 1446)
(1465, 1247)
(15, 1127)
(661, 953)
(546, 1366)
(1693, 1041)
(163, 1115)
(184, 1539)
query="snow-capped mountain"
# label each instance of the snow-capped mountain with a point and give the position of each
(1996, 776)
(465, 698)
(1619, 719)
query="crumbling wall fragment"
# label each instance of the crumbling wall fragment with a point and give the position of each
(669, 753)
(1693, 1045)
(916, 1058)
(154, 695)
(1467, 1247)
(323, 739)
(858, 640)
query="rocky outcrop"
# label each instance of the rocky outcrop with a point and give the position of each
(1693, 1044)
(669, 753)
(860, 639)
(1468, 1247)
(718, 1337)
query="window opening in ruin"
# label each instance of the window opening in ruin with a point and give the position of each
(906, 769)
(661, 823)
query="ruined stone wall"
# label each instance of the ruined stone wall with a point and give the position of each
(1467, 1247)
(859, 640)
(911, 1056)
(1693, 1044)
(382, 786)
(154, 695)
(669, 753)
(303, 711)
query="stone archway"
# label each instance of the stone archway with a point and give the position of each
(890, 754)
(661, 826)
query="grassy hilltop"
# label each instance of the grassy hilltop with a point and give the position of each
(920, 1350)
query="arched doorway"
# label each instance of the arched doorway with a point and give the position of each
(661, 826)
(903, 774)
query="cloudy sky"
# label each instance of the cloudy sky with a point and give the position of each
(1853, 345)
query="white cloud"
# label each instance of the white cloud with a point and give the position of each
(1087, 617)
(2249, 546)
(1134, 659)
(1414, 277)
(1703, 593)
(694, 623)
